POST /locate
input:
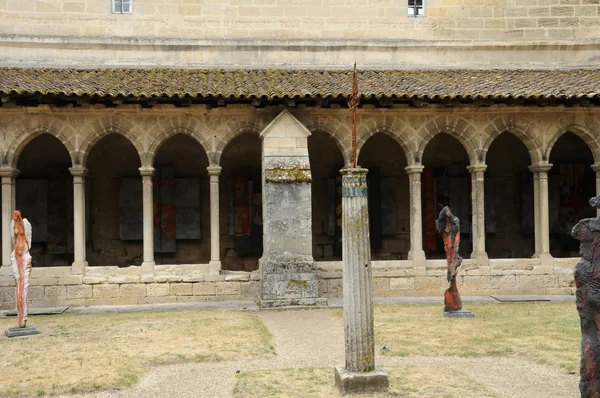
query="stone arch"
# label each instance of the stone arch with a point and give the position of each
(244, 128)
(24, 136)
(337, 137)
(399, 137)
(582, 132)
(162, 138)
(90, 141)
(523, 133)
(458, 128)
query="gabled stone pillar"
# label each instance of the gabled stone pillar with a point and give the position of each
(288, 270)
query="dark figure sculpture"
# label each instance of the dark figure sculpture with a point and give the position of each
(587, 281)
(449, 226)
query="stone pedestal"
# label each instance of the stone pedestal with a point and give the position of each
(20, 332)
(459, 314)
(359, 374)
(349, 382)
(288, 270)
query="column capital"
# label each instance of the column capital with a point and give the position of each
(78, 171)
(414, 169)
(540, 167)
(475, 168)
(596, 167)
(214, 170)
(9, 172)
(147, 171)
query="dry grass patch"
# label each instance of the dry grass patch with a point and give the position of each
(406, 382)
(548, 333)
(90, 352)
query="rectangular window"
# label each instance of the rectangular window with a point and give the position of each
(416, 8)
(121, 6)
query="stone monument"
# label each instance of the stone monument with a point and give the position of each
(449, 226)
(21, 268)
(359, 375)
(288, 270)
(587, 281)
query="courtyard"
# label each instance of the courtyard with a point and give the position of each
(507, 350)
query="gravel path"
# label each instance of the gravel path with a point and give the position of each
(315, 338)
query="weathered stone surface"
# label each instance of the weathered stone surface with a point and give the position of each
(79, 292)
(19, 332)
(133, 290)
(349, 382)
(105, 291)
(157, 289)
(204, 289)
(587, 280)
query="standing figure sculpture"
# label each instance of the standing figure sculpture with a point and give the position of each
(449, 226)
(587, 282)
(21, 268)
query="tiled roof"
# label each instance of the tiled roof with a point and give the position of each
(271, 84)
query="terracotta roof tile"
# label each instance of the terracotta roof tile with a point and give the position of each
(270, 84)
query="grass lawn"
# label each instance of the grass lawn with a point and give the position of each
(406, 382)
(89, 352)
(547, 333)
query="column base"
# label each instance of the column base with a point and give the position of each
(480, 257)
(78, 267)
(298, 302)
(546, 258)
(148, 267)
(214, 267)
(418, 258)
(349, 382)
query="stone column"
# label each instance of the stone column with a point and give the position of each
(416, 252)
(215, 260)
(543, 220)
(8, 206)
(148, 219)
(478, 209)
(79, 263)
(359, 375)
(536, 213)
(596, 168)
(288, 270)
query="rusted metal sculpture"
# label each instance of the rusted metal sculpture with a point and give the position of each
(449, 226)
(587, 281)
(21, 268)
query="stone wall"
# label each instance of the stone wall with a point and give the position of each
(192, 283)
(501, 276)
(300, 33)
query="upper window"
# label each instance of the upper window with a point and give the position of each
(416, 8)
(121, 6)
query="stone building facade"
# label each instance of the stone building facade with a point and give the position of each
(95, 151)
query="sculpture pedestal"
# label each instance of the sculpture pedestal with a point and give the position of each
(349, 382)
(19, 332)
(459, 314)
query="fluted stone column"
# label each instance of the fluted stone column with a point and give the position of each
(359, 373)
(148, 219)
(596, 168)
(79, 263)
(416, 252)
(215, 260)
(288, 270)
(8, 205)
(543, 219)
(478, 208)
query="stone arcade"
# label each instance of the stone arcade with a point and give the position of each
(152, 174)
(128, 237)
